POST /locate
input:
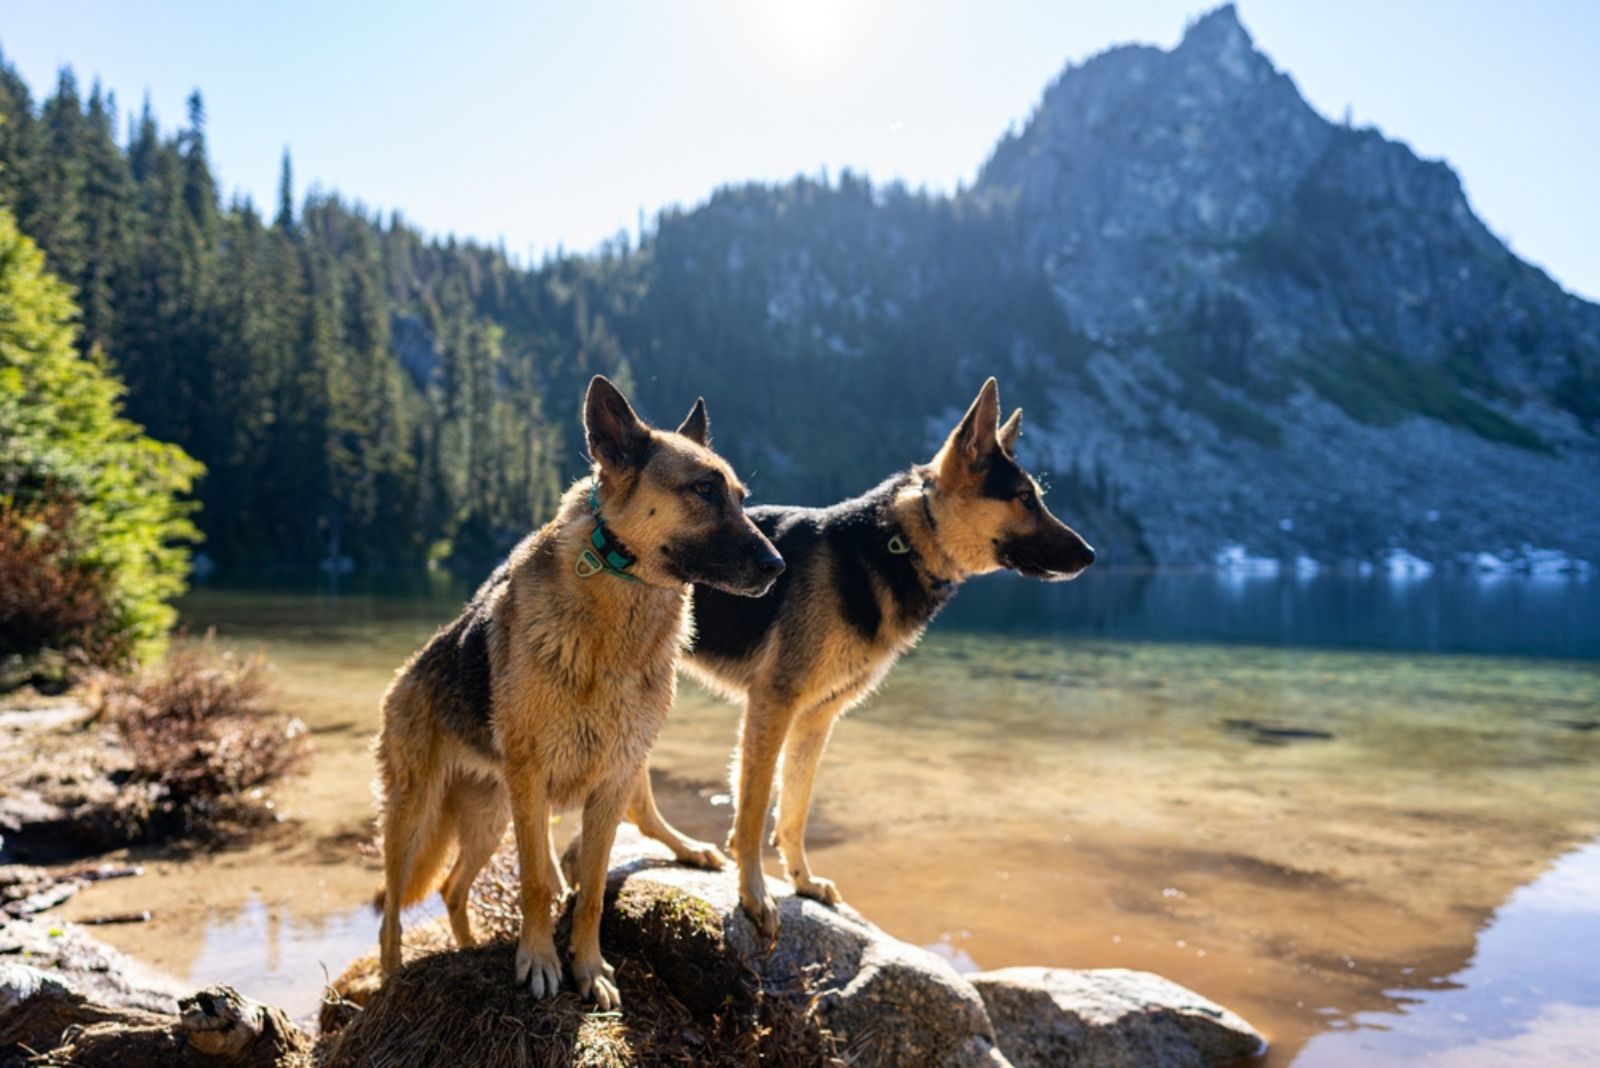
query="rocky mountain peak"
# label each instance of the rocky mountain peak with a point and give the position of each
(1220, 36)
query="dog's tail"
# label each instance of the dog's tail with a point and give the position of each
(428, 863)
(425, 879)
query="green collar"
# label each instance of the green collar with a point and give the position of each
(897, 542)
(607, 554)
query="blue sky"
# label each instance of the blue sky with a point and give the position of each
(547, 124)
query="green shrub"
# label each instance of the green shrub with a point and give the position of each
(90, 507)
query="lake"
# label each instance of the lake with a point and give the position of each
(1360, 810)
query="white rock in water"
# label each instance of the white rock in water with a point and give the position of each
(1402, 563)
(1547, 561)
(1233, 557)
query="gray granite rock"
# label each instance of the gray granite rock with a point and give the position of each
(1109, 1018)
(887, 1002)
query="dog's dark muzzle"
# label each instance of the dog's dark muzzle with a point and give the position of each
(766, 564)
(1054, 556)
(739, 561)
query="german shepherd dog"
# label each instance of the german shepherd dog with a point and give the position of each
(864, 579)
(550, 687)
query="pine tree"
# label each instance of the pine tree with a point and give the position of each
(18, 131)
(285, 217)
(108, 217)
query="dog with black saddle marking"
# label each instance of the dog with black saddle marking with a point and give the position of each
(864, 579)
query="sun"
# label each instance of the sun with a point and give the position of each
(810, 34)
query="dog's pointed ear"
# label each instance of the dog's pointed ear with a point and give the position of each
(616, 436)
(697, 424)
(1010, 432)
(969, 445)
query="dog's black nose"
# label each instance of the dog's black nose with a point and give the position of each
(1088, 554)
(770, 564)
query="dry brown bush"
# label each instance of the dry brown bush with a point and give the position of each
(201, 728)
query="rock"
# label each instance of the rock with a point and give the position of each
(95, 970)
(886, 1002)
(46, 1021)
(697, 984)
(19, 982)
(1109, 1018)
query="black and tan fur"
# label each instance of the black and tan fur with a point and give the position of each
(550, 687)
(845, 610)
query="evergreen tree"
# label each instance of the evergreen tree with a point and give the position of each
(285, 217)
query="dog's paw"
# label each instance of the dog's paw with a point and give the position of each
(763, 912)
(539, 970)
(597, 982)
(697, 854)
(818, 889)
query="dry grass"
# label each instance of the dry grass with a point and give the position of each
(200, 729)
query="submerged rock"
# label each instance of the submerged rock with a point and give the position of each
(1109, 1018)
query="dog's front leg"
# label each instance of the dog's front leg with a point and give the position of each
(761, 734)
(537, 962)
(601, 813)
(808, 737)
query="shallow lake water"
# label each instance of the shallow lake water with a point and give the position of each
(1364, 813)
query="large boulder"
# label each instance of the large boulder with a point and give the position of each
(698, 983)
(883, 1001)
(1109, 1018)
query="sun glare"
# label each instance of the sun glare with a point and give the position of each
(810, 34)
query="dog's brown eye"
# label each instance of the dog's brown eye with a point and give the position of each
(1027, 498)
(705, 488)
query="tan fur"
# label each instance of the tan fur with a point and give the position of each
(582, 676)
(793, 696)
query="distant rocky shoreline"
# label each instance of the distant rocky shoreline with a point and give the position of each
(1237, 558)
